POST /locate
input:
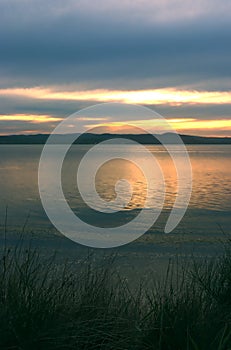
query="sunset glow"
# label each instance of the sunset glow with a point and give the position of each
(169, 96)
(180, 125)
(29, 118)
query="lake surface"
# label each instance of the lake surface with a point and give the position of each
(209, 209)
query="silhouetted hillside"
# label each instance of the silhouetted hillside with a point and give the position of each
(87, 138)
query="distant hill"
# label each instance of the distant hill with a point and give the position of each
(89, 138)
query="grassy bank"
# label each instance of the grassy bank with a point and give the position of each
(44, 306)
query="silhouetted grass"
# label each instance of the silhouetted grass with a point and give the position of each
(44, 306)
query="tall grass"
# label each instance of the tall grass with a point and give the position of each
(45, 306)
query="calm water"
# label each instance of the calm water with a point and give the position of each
(211, 196)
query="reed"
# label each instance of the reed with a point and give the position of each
(47, 306)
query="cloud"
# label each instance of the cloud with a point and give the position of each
(111, 43)
(169, 96)
(181, 125)
(37, 119)
(29, 12)
(44, 123)
(75, 53)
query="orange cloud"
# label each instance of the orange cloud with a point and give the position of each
(202, 124)
(182, 125)
(174, 122)
(170, 96)
(178, 124)
(29, 118)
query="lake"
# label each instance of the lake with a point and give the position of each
(209, 210)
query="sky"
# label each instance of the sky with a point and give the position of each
(173, 56)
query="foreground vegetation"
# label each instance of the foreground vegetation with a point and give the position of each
(43, 306)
